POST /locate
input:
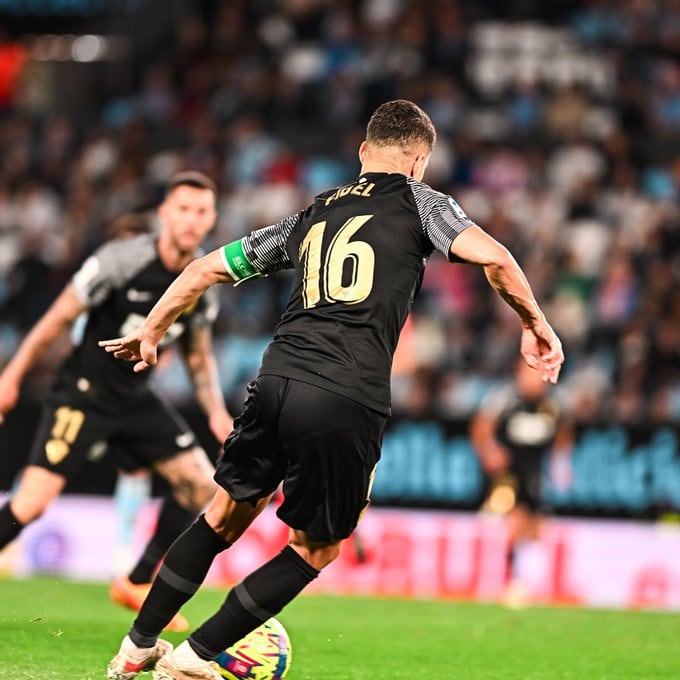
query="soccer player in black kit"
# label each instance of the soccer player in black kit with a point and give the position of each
(514, 430)
(100, 406)
(314, 417)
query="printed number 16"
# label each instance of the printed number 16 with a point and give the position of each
(359, 253)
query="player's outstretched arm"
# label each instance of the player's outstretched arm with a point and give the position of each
(540, 346)
(37, 343)
(141, 344)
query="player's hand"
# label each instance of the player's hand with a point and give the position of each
(133, 347)
(542, 350)
(221, 424)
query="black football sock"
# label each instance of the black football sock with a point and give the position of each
(184, 568)
(251, 602)
(10, 526)
(173, 519)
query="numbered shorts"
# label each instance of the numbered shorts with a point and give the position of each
(324, 448)
(74, 430)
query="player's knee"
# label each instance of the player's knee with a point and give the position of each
(318, 555)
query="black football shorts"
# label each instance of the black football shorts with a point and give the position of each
(527, 472)
(324, 448)
(74, 429)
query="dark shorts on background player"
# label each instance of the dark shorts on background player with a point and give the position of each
(527, 470)
(323, 446)
(73, 429)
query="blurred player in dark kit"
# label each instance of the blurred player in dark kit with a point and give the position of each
(515, 429)
(98, 405)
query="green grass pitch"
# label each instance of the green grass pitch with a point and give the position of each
(52, 629)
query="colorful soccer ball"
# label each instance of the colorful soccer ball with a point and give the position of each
(264, 654)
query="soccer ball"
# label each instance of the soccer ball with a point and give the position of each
(264, 654)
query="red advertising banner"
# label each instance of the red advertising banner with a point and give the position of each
(402, 553)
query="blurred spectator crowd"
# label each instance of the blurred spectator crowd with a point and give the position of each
(559, 133)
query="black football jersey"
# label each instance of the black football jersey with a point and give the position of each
(527, 427)
(120, 283)
(358, 253)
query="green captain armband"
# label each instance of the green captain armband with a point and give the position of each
(236, 263)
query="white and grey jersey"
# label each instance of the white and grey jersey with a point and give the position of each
(118, 263)
(120, 283)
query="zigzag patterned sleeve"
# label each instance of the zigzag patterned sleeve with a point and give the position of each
(442, 218)
(266, 248)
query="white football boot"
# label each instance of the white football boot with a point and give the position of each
(184, 664)
(132, 660)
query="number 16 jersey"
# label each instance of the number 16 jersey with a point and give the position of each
(359, 253)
